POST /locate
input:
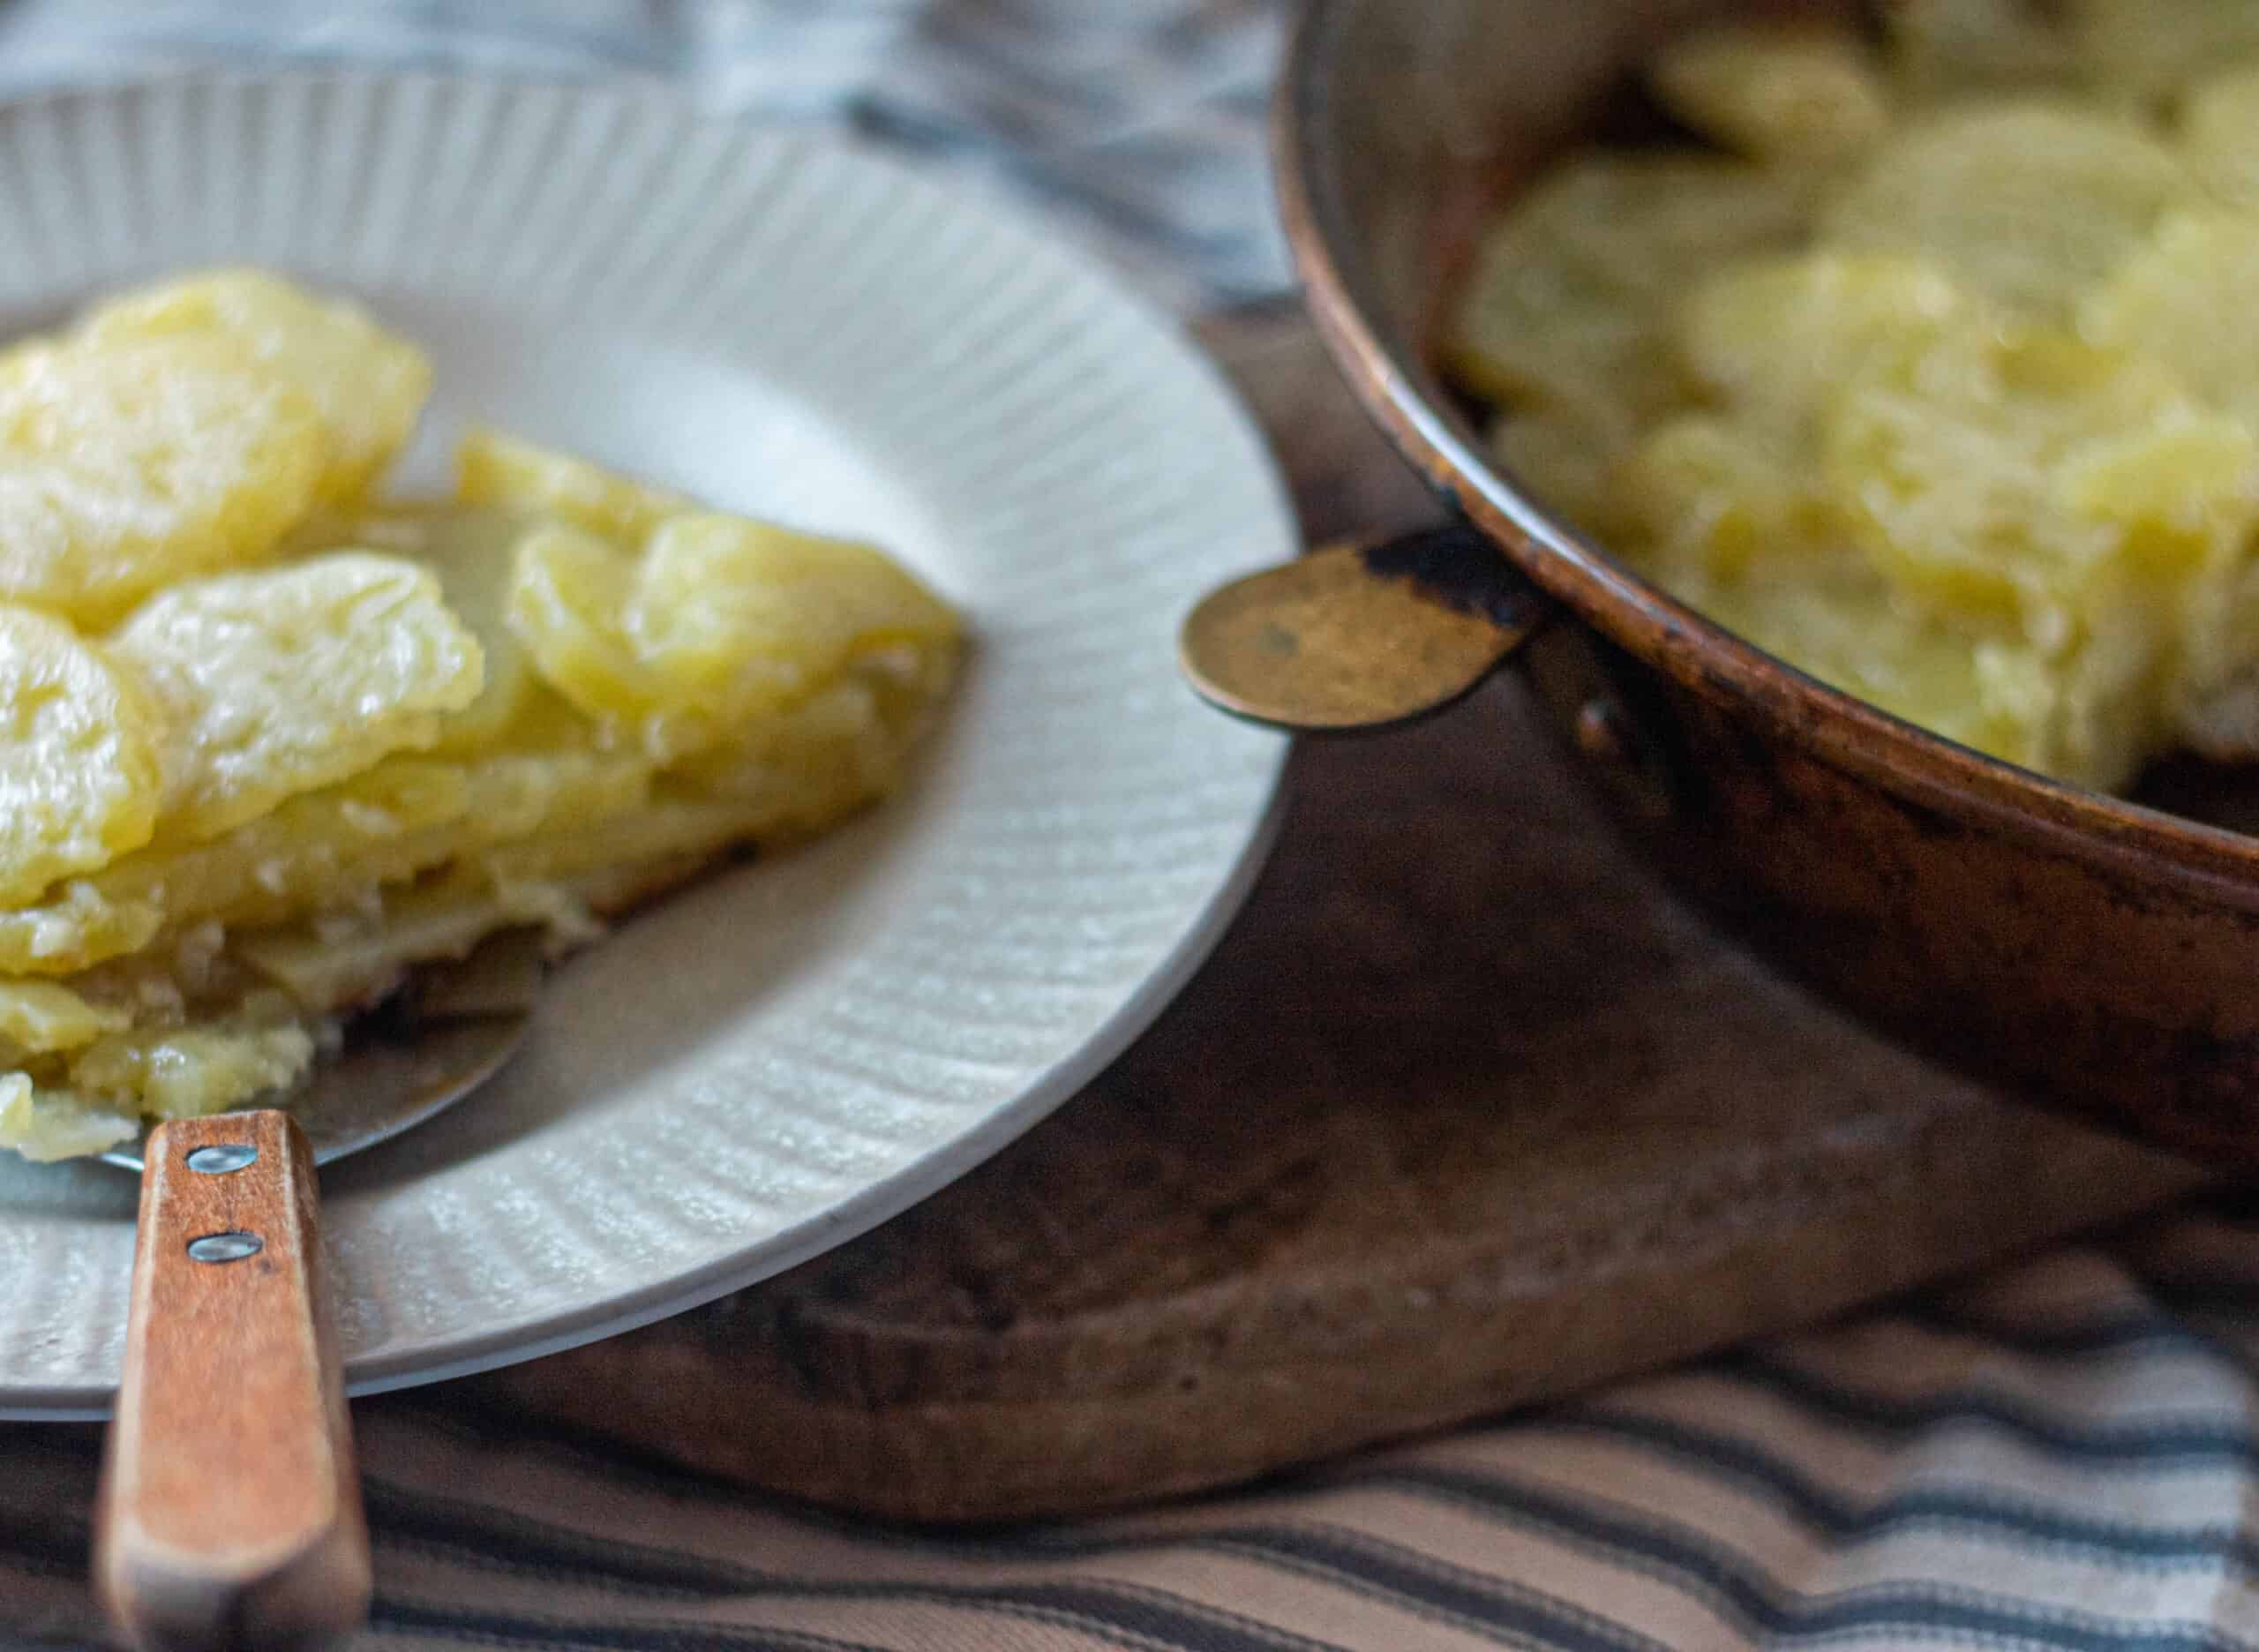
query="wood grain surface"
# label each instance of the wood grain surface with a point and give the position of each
(231, 1517)
(1464, 1113)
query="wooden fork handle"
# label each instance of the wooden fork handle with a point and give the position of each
(230, 1518)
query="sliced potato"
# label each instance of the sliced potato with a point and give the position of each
(79, 777)
(369, 386)
(1774, 338)
(739, 618)
(570, 594)
(280, 681)
(471, 550)
(44, 1126)
(1801, 95)
(1948, 465)
(720, 622)
(194, 1071)
(1573, 293)
(503, 472)
(38, 1018)
(1705, 493)
(2184, 298)
(2030, 203)
(127, 465)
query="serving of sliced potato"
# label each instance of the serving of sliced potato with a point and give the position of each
(1952, 397)
(271, 741)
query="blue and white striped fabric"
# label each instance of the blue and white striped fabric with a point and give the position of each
(2064, 1456)
(1138, 122)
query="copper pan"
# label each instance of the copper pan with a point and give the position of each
(2100, 954)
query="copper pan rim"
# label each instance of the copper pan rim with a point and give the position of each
(1847, 732)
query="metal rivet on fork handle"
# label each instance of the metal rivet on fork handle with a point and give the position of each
(222, 1157)
(225, 1246)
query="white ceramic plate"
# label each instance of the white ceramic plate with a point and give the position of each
(771, 1063)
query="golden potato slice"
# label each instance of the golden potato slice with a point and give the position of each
(192, 1072)
(328, 847)
(280, 681)
(2180, 494)
(2030, 203)
(1572, 292)
(82, 927)
(501, 472)
(1804, 96)
(1773, 338)
(570, 594)
(741, 618)
(1948, 485)
(471, 550)
(2219, 135)
(2186, 477)
(1842, 628)
(556, 877)
(2185, 298)
(1960, 477)
(721, 621)
(2089, 720)
(1772, 342)
(44, 1126)
(370, 386)
(38, 1018)
(329, 850)
(505, 796)
(352, 960)
(1705, 493)
(801, 769)
(1940, 49)
(79, 775)
(681, 821)
(472, 553)
(128, 465)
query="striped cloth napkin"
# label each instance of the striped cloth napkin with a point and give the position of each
(2062, 1456)
(2066, 1455)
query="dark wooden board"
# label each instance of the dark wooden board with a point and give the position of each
(1464, 1113)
